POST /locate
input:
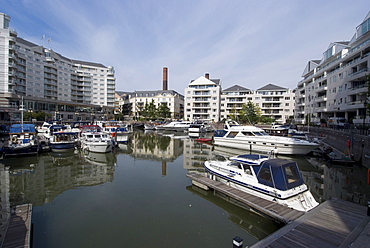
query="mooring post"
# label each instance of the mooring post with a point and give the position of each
(237, 242)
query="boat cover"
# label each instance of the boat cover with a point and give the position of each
(279, 173)
(27, 128)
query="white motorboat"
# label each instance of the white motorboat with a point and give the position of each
(150, 126)
(199, 128)
(94, 140)
(175, 126)
(250, 137)
(120, 134)
(273, 179)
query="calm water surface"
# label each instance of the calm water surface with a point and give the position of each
(139, 196)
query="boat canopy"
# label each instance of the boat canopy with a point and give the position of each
(19, 128)
(279, 173)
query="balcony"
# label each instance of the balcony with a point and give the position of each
(321, 109)
(321, 99)
(357, 72)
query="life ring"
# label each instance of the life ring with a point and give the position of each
(14, 139)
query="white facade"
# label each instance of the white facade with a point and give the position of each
(336, 85)
(48, 81)
(232, 100)
(173, 100)
(275, 102)
(202, 100)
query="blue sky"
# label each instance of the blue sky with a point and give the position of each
(246, 42)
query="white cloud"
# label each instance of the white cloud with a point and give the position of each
(241, 42)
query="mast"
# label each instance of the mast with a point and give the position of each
(21, 109)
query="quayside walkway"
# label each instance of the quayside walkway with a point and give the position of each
(334, 223)
(276, 211)
(18, 232)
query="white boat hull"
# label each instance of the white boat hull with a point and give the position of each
(100, 147)
(304, 201)
(266, 145)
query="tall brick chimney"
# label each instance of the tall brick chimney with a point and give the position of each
(165, 82)
(207, 75)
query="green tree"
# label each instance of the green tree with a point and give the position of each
(149, 111)
(250, 113)
(164, 111)
(234, 114)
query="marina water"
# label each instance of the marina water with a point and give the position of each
(139, 195)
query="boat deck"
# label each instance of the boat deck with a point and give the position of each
(276, 211)
(334, 223)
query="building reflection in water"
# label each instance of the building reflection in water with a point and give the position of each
(156, 146)
(39, 179)
(324, 180)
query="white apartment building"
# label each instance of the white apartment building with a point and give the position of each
(336, 85)
(50, 82)
(274, 101)
(202, 99)
(132, 103)
(232, 100)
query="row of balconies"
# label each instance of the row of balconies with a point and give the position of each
(336, 61)
(201, 111)
(50, 76)
(202, 93)
(201, 106)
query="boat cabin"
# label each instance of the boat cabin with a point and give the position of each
(279, 173)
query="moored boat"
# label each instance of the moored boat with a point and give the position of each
(273, 179)
(250, 137)
(175, 126)
(63, 141)
(92, 139)
(22, 141)
(119, 133)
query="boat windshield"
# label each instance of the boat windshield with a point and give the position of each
(280, 174)
(260, 133)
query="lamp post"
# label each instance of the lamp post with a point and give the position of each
(56, 115)
(93, 117)
(364, 119)
(30, 111)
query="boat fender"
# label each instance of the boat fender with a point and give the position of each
(14, 139)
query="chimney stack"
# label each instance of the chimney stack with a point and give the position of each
(165, 83)
(207, 75)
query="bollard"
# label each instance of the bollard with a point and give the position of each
(368, 208)
(237, 242)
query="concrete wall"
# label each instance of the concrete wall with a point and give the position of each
(360, 144)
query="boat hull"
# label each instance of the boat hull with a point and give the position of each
(267, 145)
(9, 151)
(99, 147)
(304, 201)
(62, 147)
